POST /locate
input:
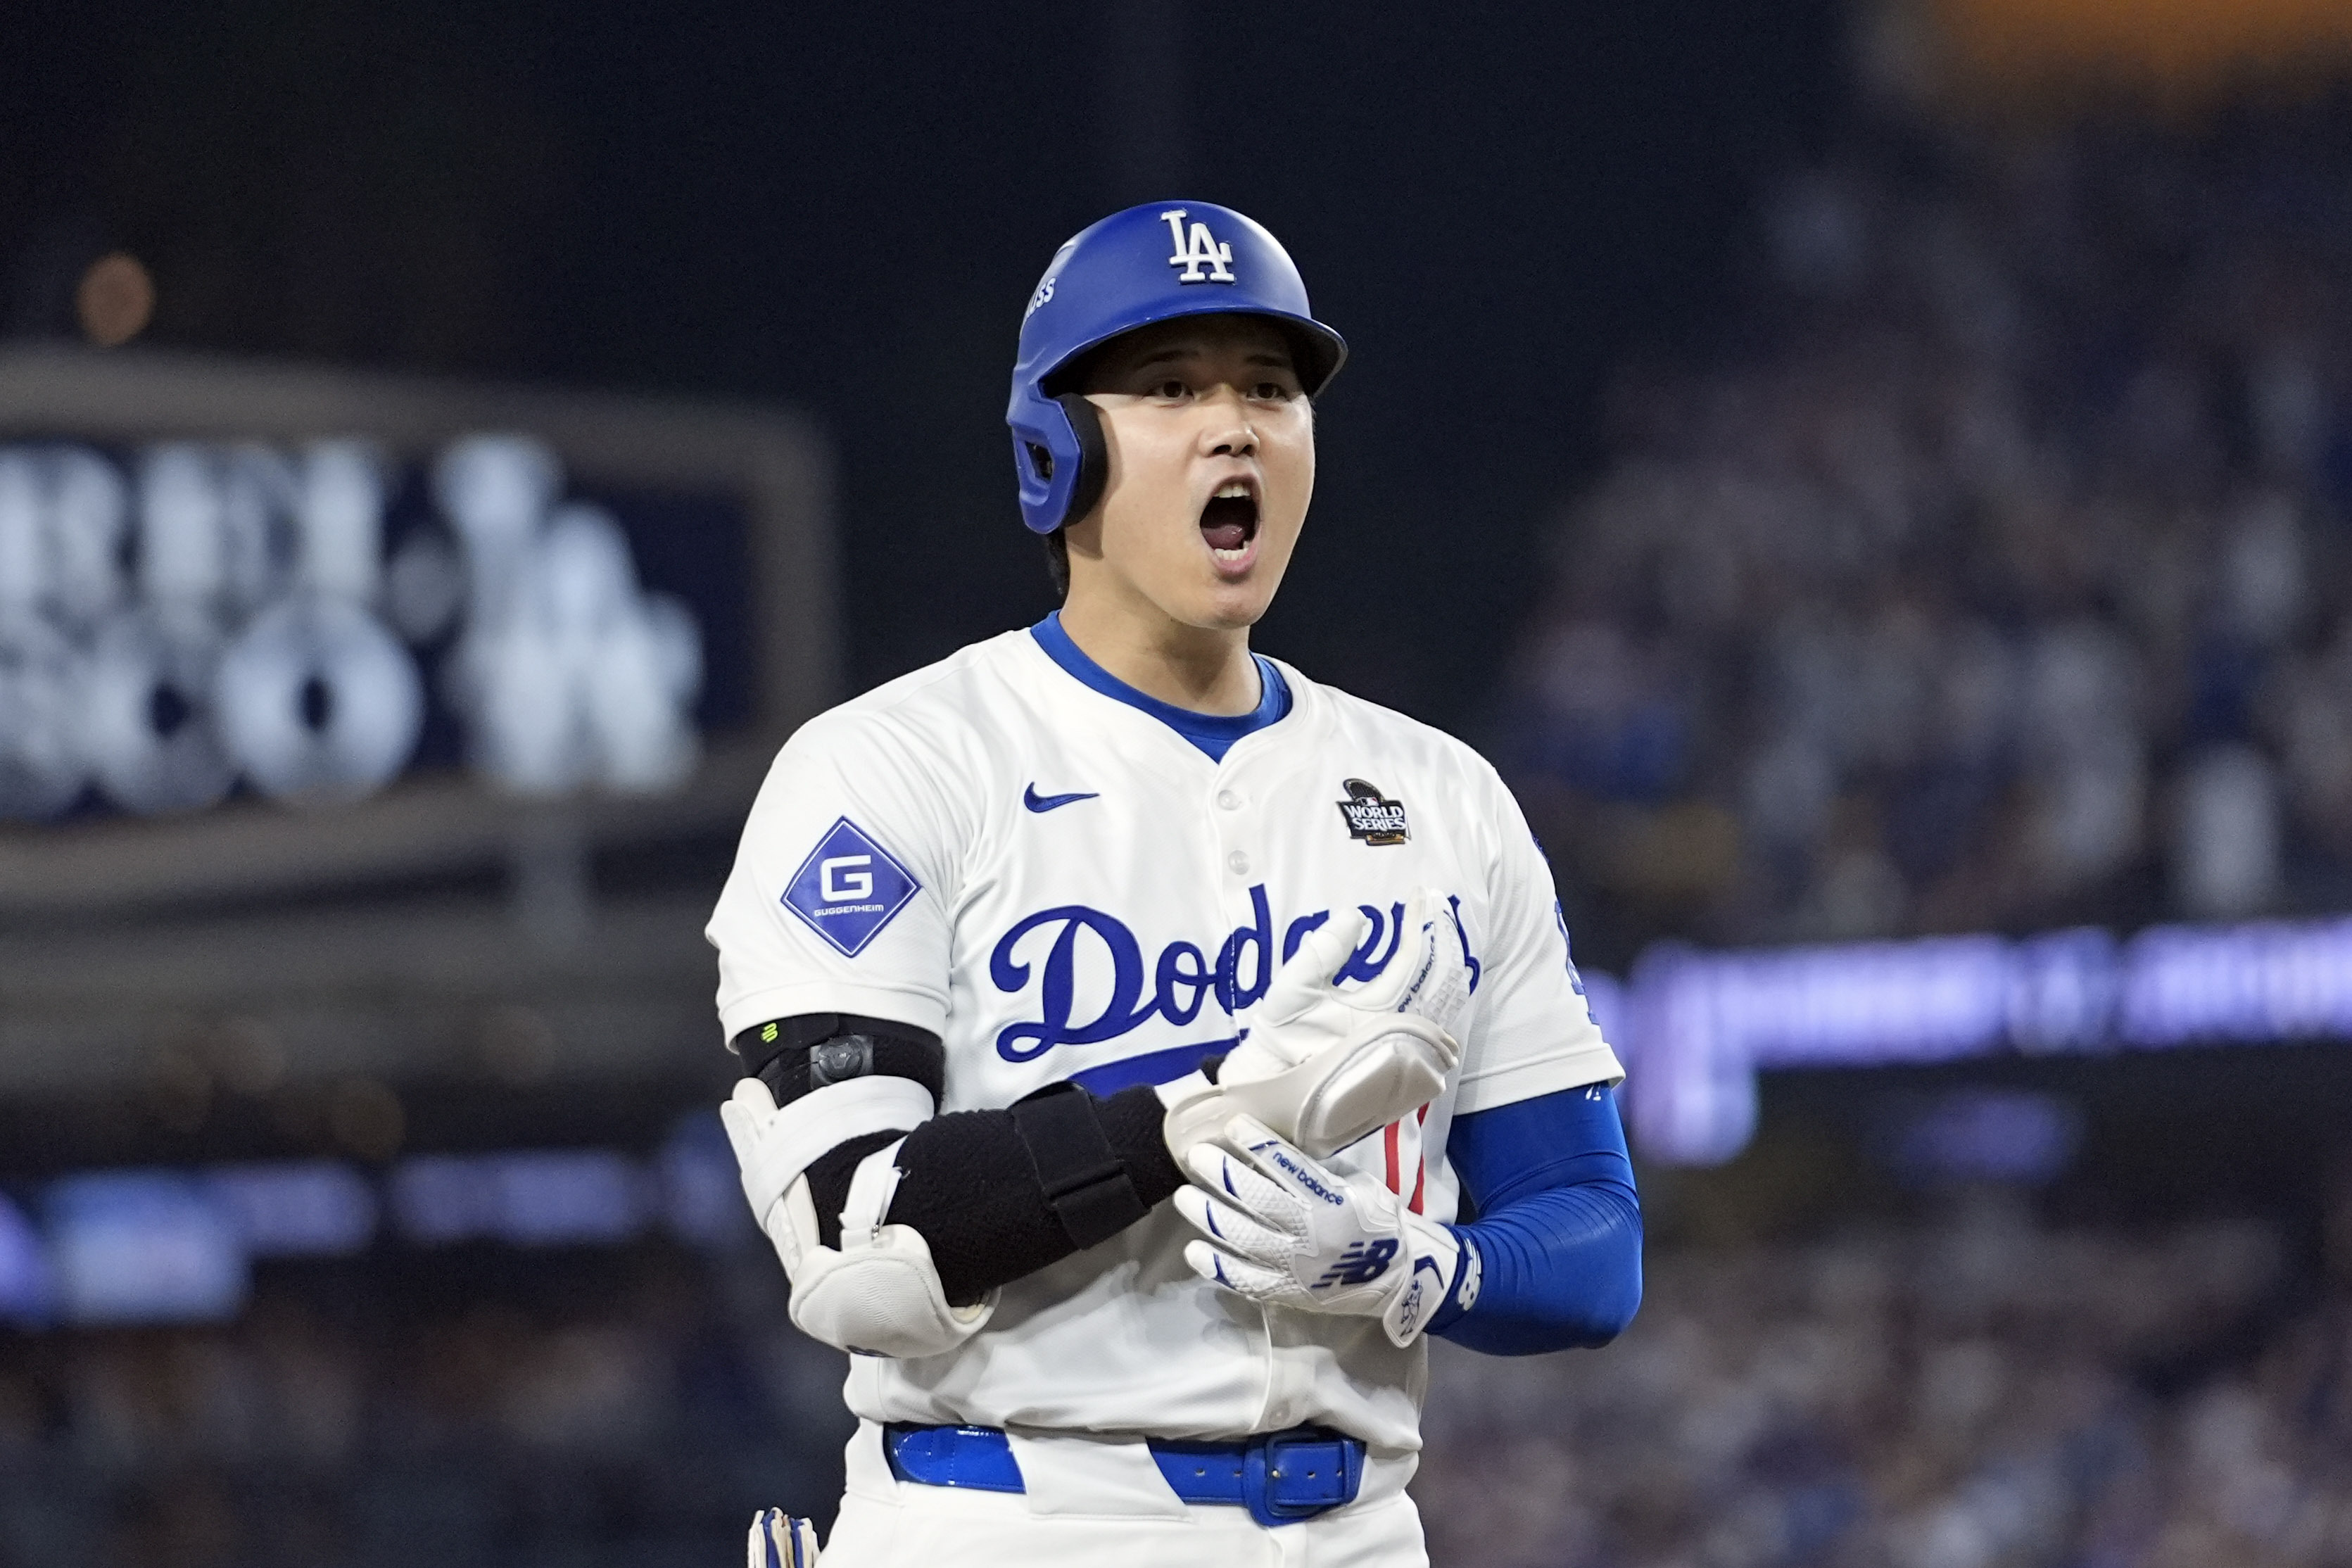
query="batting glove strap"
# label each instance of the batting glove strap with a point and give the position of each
(1469, 1273)
(1286, 1231)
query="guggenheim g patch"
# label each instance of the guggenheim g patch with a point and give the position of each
(849, 888)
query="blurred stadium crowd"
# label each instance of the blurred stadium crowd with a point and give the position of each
(1994, 578)
(478, 1407)
(1982, 1390)
(1993, 575)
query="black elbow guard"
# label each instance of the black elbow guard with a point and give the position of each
(793, 1056)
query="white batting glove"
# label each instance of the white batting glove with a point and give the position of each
(781, 1541)
(1322, 1066)
(1288, 1232)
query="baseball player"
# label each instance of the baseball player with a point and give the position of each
(1146, 1047)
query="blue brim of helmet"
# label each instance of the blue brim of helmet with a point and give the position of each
(1326, 350)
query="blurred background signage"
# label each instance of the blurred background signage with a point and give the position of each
(289, 655)
(190, 615)
(1702, 1026)
(306, 612)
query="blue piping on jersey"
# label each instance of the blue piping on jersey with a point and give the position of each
(1213, 734)
(1151, 1067)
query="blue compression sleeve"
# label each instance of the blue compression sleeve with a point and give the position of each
(1558, 1231)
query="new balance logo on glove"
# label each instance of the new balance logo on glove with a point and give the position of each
(1282, 1229)
(1361, 1264)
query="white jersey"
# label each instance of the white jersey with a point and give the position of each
(1060, 886)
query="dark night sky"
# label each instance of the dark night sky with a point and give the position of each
(844, 208)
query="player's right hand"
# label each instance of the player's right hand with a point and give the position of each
(1283, 1230)
(1321, 1065)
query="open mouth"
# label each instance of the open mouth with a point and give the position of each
(1229, 523)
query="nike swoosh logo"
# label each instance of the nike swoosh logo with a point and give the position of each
(1040, 803)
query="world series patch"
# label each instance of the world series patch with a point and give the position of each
(1373, 817)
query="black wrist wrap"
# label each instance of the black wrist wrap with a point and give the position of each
(793, 1056)
(1085, 1180)
(973, 1187)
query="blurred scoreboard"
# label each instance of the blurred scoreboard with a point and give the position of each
(363, 729)
(223, 580)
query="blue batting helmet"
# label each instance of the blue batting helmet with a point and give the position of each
(1148, 264)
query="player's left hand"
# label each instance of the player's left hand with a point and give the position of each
(1325, 1062)
(1287, 1231)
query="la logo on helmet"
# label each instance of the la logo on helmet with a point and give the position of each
(1197, 249)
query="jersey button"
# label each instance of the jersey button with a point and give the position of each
(1228, 801)
(1237, 863)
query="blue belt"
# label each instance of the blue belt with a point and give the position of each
(1280, 1477)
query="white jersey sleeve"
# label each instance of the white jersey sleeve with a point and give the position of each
(1534, 1033)
(842, 882)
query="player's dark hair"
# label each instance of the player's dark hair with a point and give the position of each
(1057, 563)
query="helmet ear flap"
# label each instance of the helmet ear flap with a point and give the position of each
(1094, 456)
(1048, 455)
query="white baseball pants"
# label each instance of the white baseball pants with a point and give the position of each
(1102, 1504)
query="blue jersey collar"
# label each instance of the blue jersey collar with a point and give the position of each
(1213, 734)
